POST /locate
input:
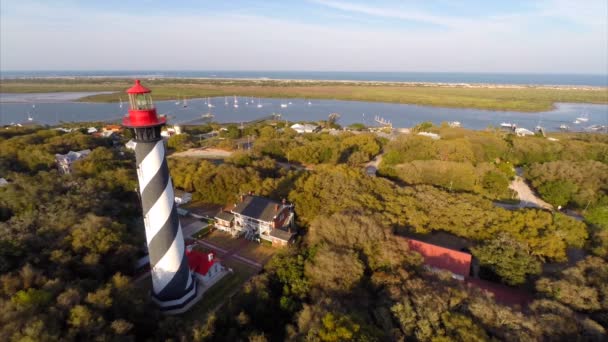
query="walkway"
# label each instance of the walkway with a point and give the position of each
(376, 161)
(226, 254)
(527, 198)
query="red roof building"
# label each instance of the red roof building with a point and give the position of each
(459, 263)
(200, 262)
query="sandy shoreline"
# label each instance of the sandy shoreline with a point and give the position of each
(262, 81)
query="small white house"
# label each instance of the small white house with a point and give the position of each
(91, 130)
(430, 135)
(205, 266)
(305, 128)
(522, 132)
(131, 144)
(65, 161)
(182, 197)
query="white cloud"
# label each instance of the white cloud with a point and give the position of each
(46, 37)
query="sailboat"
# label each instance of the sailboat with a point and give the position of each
(177, 101)
(225, 100)
(236, 102)
(309, 103)
(208, 116)
(538, 125)
(185, 102)
(283, 105)
(583, 118)
(259, 104)
(209, 103)
(120, 99)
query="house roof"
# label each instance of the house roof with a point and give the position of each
(282, 234)
(443, 258)
(224, 215)
(256, 207)
(200, 262)
(73, 156)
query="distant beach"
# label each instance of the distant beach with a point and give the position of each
(431, 78)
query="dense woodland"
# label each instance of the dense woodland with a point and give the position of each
(67, 242)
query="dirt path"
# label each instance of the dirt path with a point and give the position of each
(527, 197)
(208, 153)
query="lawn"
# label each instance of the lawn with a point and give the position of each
(526, 99)
(258, 252)
(225, 288)
(223, 240)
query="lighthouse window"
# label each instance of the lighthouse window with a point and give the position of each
(141, 101)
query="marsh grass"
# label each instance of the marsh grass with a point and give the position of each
(523, 99)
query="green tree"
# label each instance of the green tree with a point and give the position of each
(558, 193)
(179, 142)
(510, 259)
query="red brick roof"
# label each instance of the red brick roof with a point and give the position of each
(443, 258)
(200, 262)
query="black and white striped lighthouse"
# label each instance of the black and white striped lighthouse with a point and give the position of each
(174, 287)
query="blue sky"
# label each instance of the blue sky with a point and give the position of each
(554, 36)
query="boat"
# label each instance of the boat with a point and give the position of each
(225, 100)
(29, 117)
(209, 103)
(596, 128)
(309, 103)
(454, 124)
(177, 103)
(120, 99)
(208, 116)
(539, 127)
(185, 102)
(289, 103)
(236, 102)
(564, 127)
(259, 104)
(283, 105)
(583, 118)
(507, 125)
(576, 122)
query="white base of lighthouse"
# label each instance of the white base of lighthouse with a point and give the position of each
(175, 307)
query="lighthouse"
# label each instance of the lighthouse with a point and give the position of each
(174, 289)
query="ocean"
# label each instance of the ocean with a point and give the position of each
(425, 77)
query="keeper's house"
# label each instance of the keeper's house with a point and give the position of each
(257, 218)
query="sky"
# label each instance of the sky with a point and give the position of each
(524, 36)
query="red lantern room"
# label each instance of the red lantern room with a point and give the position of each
(142, 113)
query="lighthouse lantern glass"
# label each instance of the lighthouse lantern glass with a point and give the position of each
(141, 101)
